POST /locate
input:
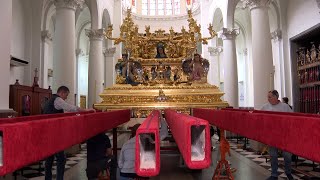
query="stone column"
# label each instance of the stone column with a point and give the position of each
(46, 42)
(109, 66)
(276, 37)
(96, 66)
(5, 39)
(261, 50)
(64, 56)
(214, 70)
(230, 66)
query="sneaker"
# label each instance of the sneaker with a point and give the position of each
(272, 178)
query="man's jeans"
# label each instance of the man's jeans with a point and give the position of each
(61, 161)
(274, 161)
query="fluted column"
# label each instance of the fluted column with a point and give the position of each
(214, 70)
(276, 37)
(64, 56)
(230, 66)
(96, 66)
(5, 39)
(109, 66)
(46, 42)
(261, 50)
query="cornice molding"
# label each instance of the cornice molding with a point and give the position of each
(69, 4)
(95, 34)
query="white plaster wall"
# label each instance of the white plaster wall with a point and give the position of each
(5, 35)
(18, 36)
(302, 15)
(16, 72)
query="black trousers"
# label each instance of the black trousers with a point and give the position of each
(95, 167)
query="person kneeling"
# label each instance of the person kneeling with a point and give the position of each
(100, 158)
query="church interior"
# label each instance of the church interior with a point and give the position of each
(203, 79)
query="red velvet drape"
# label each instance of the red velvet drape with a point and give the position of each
(149, 126)
(31, 139)
(180, 125)
(294, 132)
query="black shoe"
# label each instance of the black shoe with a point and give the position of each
(272, 178)
(290, 177)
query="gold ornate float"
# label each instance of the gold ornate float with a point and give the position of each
(160, 70)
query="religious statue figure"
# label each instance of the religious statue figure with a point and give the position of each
(301, 58)
(197, 69)
(160, 51)
(306, 77)
(313, 53)
(128, 69)
(308, 56)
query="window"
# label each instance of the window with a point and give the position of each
(176, 6)
(160, 7)
(144, 7)
(168, 7)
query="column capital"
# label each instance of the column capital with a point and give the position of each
(109, 52)
(79, 52)
(215, 51)
(226, 33)
(276, 35)
(95, 34)
(46, 36)
(70, 4)
(252, 4)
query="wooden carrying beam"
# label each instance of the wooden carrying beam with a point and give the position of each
(148, 146)
(293, 132)
(29, 141)
(192, 136)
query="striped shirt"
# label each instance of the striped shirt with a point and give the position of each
(127, 156)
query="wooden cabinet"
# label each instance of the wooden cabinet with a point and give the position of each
(26, 100)
(308, 69)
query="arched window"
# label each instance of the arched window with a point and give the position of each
(160, 7)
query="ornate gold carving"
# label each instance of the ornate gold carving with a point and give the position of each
(143, 45)
(159, 68)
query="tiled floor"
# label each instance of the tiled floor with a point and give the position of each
(307, 166)
(249, 165)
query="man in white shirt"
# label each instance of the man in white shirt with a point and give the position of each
(275, 105)
(57, 104)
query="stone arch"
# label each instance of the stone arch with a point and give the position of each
(94, 11)
(230, 10)
(105, 22)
